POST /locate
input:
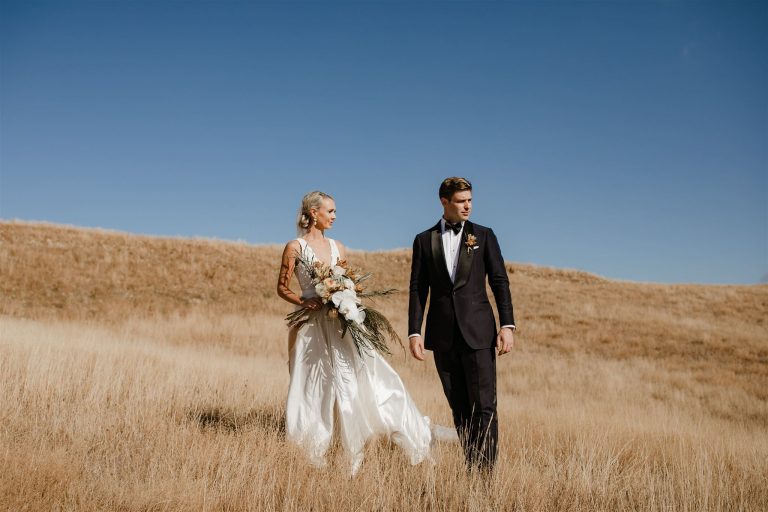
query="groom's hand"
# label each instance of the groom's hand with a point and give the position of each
(505, 340)
(417, 347)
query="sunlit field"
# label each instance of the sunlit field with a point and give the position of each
(144, 373)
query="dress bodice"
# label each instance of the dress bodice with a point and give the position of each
(305, 280)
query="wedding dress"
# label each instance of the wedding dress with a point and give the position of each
(369, 398)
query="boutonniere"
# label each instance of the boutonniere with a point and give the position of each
(471, 242)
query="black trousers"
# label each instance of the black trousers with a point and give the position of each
(469, 382)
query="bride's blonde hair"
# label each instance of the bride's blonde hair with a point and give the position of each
(311, 200)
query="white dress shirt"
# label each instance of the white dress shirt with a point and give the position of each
(451, 243)
(451, 247)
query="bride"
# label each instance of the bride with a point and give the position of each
(330, 382)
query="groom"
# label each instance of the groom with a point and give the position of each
(451, 261)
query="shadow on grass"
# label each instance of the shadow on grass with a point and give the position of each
(267, 418)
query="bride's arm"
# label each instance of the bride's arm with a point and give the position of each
(287, 266)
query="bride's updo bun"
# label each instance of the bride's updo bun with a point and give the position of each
(313, 199)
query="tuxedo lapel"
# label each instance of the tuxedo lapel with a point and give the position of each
(465, 257)
(438, 255)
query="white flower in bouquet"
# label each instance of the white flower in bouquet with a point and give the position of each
(345, 296)
(338, 271)
(354, 313)
(347, 302)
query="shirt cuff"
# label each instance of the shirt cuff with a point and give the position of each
(414, 334)
(511, 326)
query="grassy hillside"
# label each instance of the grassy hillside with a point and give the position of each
(145, 373)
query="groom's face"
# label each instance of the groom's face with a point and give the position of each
(459, 207)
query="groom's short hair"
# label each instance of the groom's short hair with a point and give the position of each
(454, 184)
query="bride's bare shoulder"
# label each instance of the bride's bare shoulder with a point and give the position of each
(292, 245)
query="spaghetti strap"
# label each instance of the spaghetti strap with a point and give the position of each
(335, 256)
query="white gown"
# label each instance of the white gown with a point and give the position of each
(370, 399)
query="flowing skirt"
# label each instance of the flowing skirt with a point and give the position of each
(369, 396)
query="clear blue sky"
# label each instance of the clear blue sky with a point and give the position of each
(624, 138)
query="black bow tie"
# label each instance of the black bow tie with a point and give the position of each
(455, 227)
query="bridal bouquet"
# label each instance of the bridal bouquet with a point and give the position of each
(341, 289)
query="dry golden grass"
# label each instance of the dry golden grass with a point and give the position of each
(143, 373)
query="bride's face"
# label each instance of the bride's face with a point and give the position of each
(325, 215)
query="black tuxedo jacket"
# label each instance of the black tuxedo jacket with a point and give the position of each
(465, 300)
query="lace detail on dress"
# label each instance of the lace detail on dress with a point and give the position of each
(305, 280)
